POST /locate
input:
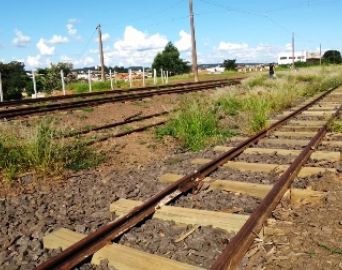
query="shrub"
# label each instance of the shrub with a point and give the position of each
(195, 125)
(41, 152)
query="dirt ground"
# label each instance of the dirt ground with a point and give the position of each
(311, 236)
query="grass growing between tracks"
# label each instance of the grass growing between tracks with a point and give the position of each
(196, 125)
(22, 150)
(336, 126)
(244, 109)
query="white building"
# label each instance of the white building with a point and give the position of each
(215, 70)
(286, 57)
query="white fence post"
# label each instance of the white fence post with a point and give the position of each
(34, 84)
(161, 76)
(111, 79)
(63, 83)
(89, 81)
(1, 92)
(154, 76)
(143, 76)
(130, 78)
(167, 77)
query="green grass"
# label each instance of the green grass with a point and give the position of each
(336, 126)
(246, 108)
(38, 151)
(229, 104)
(88, 109)
(195, 125)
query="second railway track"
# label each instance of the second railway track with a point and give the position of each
(291, 145)
(59, 103)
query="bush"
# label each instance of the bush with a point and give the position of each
(42, 153)
(195, 125)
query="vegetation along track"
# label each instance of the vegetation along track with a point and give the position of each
(320, 111)
(93, 99)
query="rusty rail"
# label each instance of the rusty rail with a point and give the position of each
(108, 92)
(240, 243)
(24, 111)
(81, 250)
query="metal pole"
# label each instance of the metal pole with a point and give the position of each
(193, 42)
(293, 52)
(111, 79)
(143, 77)
(154, 76)
(34, 84)
(103, 77)
(167, 77)
(1, 92)
(63, 83)
(89, 81)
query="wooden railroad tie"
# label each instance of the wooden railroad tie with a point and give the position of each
(266, 168)
(298, 196)
(118, 256)
(317, 155)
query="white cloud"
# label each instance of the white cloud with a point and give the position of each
(184, 43)
(57, 39)
(72, 31)
(134, 40)
(135, 48)
(86, 61)
(20, 39)
(44, 49)
(242, 52)
(33, 61)
(228, 46)
(105, 37)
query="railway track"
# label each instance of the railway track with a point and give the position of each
(93, 99)
(298, 138)
(134, 119)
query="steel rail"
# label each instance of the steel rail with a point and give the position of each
(124, 133)
(80, 251)
(238, 246)
(108, 92)
(116, 124)
(12, 113)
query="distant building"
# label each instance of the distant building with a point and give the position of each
(303, 56)
(215, 70)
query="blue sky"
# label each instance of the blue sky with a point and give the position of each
(40, 32)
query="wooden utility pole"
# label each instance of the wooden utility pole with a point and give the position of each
(193, 42)
(293, 52)
(103, 77)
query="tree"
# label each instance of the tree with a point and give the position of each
(332, 57)
(14, 79)
(169, 59)
(229, 64)
(49, 79)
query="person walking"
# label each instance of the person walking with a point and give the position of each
(271, 70)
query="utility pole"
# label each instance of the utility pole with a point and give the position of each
(293, 52)
(103, 77)
(193, 42)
